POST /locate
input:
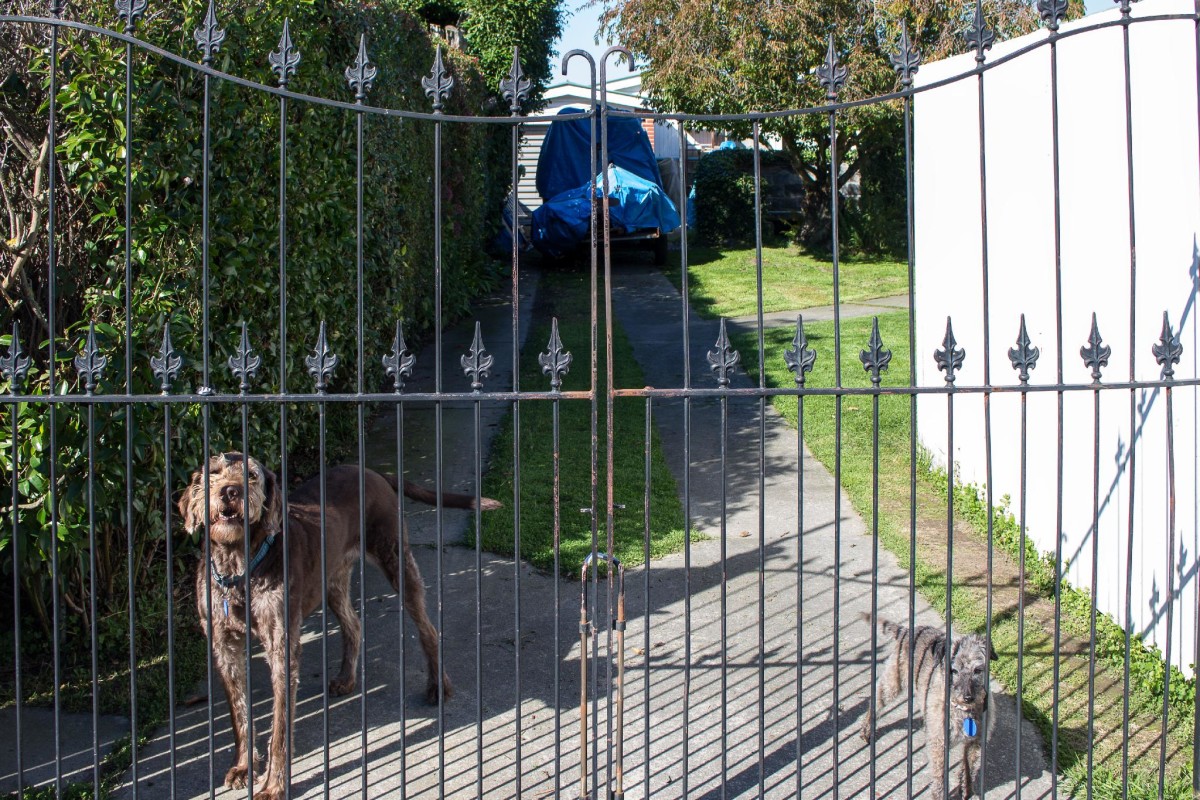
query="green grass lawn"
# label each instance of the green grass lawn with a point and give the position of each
(724, 283)
(565, 295)
(968, 595)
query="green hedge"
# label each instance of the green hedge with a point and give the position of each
(321, 263)
(725, 194)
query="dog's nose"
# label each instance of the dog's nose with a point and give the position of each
(230, 494)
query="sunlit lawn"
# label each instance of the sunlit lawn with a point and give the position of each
(723, 282)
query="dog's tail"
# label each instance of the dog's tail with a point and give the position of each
(887, 626)
(449, 499)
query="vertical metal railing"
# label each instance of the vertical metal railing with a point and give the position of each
(602, 669)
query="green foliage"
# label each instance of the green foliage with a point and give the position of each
(398, 269)
(742, 56)
(725, 197)
(877, 220)
(725, 208)
(492, 28)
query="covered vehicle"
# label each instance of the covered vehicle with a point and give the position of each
(639, 208)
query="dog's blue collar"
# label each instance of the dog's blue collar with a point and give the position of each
(230, 581)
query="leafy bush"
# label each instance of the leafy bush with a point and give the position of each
(398, 263)
(725, 196)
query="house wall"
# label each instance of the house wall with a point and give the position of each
(1095, 277)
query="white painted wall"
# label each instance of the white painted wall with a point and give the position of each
(1095, 249)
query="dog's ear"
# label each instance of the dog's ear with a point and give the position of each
(272, 501)
(191, 503)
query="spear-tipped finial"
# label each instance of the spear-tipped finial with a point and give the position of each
(979, 36)
(1168, 350)
(477, 364)
(90, 364)
(166, 364)
(1052, 12)
(950, 357)
(129, 12)
(1095, 354)
(515, 87)
(244, 363)
(208, 36)
(14, 366)
(283, 63)
(832, 73)
(438, 83)
(800, 358)
(361, 74)
(555, 361)
(724, 358)
(322, 362)
(1024, 356)
(907, 61)
(875, 358)
(399, 363)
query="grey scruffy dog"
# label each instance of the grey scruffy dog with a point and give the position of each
(968, 695)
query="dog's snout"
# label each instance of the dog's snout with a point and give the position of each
(230, 494)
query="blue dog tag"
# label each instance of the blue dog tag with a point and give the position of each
(970, 727)
(226, 601)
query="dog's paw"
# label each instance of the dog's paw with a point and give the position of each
(270, 791)
(236, 777)
(341, 686)
(431, 691)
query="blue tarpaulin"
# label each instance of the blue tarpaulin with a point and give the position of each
(635, 204)
(564, 178)
(564, 163)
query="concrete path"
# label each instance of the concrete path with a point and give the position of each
(512, 728)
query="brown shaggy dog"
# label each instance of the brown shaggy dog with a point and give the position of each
(242, 494)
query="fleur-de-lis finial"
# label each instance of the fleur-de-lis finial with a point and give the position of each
(57, 7)
(14, 366)
(1094, 353)
(907, 60)
(1052, 12)
(208, 36)
(724, 358)
(800, 357)
(438, 83)
(283, 63)
(477, 364)
(950, 357)
(555, 361)
(831, 74)
(91, 363)
(1126, 6)
(166, 364)
(1024, 356)
(243, 363)
(361, 75)
(322, 362)
(515, 87)
(875, 358)
(130, 11)
(399, 363)
(979, 36)
(1168, 350)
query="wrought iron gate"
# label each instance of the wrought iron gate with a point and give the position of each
(735, 667)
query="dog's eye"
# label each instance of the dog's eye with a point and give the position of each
(979, 670)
